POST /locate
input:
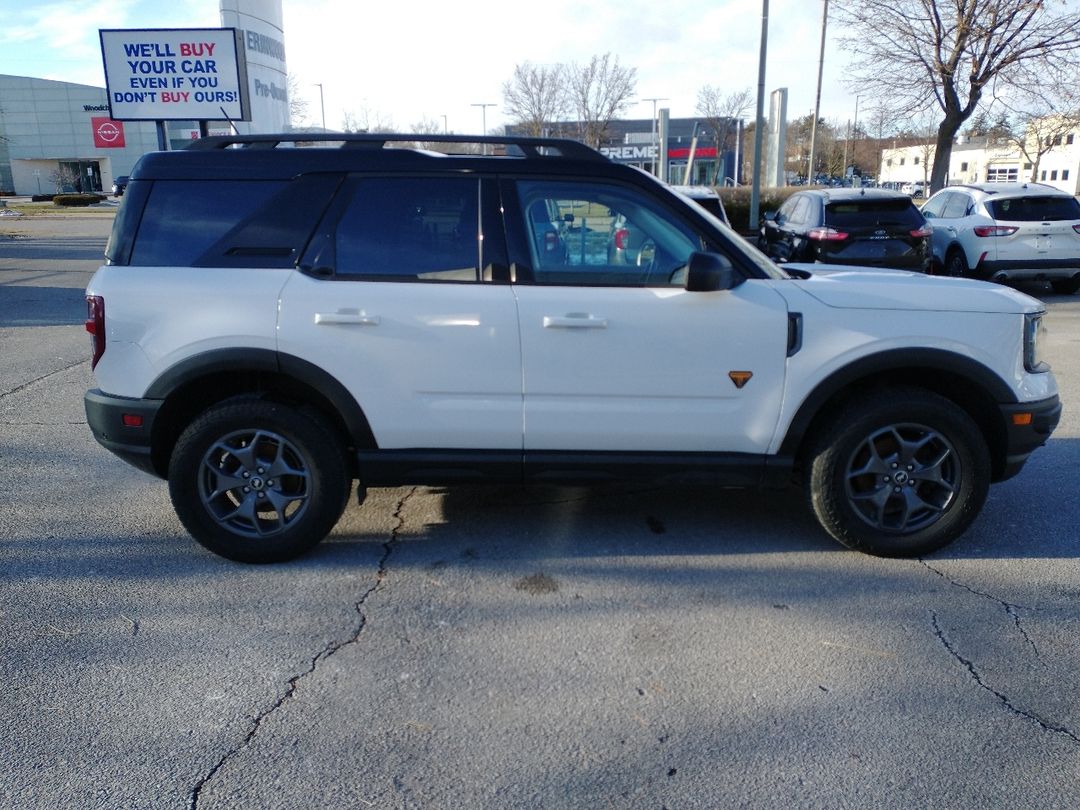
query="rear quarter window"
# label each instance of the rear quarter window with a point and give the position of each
(1035, 209)
(184, 218)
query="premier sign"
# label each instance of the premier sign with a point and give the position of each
(159, 74)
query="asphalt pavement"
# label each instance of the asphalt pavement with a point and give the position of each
(620, 647)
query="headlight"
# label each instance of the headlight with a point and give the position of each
(1033, 329)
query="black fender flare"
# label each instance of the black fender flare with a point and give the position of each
(234, 361)
(960, 370)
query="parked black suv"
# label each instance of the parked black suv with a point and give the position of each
(867, 227)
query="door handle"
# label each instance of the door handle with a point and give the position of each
(575, 320)
(346, 317)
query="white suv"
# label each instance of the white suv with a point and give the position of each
(275, 323)
(1007, 232)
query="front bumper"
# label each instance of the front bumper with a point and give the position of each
(123, 426)
(1028, 425)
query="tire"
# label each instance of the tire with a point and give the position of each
(955, 264)
(258, 482)
(899, 473)
(1065, 286)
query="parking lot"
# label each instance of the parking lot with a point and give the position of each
(619, 647)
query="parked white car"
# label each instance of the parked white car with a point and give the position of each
(1007, 232)
(916, 189)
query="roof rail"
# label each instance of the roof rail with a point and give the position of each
(535, 148)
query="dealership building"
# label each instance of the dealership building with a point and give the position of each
(58, 136)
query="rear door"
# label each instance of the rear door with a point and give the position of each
(401, 301)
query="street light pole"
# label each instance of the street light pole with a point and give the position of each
(322, 105)
(483, 119)
(652, 142)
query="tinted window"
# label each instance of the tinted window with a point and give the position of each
(411, 229)
(1035, 209)
(182, 219)
(872, 213)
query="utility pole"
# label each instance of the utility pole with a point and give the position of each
(817, 100)
(652, 142)
(755, 189)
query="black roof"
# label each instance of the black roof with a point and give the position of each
(852, 194)
(282, 156)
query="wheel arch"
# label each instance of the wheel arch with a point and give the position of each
(198, 382)
(972, 386)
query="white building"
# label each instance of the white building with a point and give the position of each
(980, 161)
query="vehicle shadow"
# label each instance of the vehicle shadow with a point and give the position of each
(23, 305)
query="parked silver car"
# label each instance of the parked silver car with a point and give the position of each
(1007, 232)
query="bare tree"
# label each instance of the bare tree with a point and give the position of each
(366, 121)
(298, 105)
(601, 91)
(943, 54)
(536, 96)
(721, 113)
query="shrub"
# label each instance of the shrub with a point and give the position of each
(77, 199)
(737, 204)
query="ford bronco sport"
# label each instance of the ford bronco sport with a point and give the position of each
(273, 323)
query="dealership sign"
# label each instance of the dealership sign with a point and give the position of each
(158, 74)
(108, 134)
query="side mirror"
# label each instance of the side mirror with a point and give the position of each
(710, 272)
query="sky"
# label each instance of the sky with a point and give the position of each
(401, 63)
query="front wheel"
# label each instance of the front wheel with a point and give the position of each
(257, 481)
(900, 473)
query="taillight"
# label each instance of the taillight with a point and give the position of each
(995, 230)
(925, 230)
(826, 235)
(95, 325)
(1076, 228)
(622, 236)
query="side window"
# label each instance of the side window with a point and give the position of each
(936, 205)
(803, 210)
(607, 235)
(787, 210)
(410, 229)
(957, 206)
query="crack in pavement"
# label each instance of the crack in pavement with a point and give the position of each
(1002, 698)
(26, 385)
(329, 650)
(1010, 609)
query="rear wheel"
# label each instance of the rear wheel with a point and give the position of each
(1065, 286)
(899, 473)
(257, 481)
(955, 264)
